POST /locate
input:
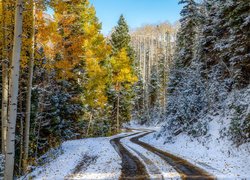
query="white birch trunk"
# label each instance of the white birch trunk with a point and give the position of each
(14, 81)
(140, 55)
(5, 84)
(4, 112)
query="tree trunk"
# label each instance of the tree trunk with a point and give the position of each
(144, 61)
(4, 112)
(28, 96)
(140, 55)
(14, 81)
(118, 111)
(21, 147)
(89, 125)
(21, 134)
(164, 72)
(5, 83)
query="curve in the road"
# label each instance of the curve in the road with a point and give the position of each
(132, 167)
(187, 170)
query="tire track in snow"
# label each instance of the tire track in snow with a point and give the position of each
(153, 169)
(187, 170)
(132, 167)
(156, 166)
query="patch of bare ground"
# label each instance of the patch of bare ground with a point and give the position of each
(82, 165)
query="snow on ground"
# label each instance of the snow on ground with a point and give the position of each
(104, 162)
(95, 158)
(136, 125)
(216, 155)
(156, 167)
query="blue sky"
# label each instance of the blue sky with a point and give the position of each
(136, 12)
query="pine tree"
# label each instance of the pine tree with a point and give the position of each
(120, 38)
(236, 19)
(185, 93)
(122, 74)
(154, 88)
(207, 38)
(187, 34)
(186, 43)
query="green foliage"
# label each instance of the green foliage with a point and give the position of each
(187, 34)
(210, 65)
(120, 38)
(122, 75)
(239, 130)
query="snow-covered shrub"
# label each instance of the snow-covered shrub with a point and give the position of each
(186, 100)
(49, 156)
(239, 130)
(198, 129)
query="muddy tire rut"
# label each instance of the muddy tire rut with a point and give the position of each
(132, 167)
(186, 170)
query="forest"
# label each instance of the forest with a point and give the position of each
(62, 79)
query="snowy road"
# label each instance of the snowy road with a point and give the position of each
(122, 156)
(132, 167)
(159, 164)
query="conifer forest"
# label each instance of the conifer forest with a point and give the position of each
(162, 100)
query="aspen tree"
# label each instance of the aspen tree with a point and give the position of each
(4, 58)
(82, 57)
(155, 55)
(96, 74)
(122, 77)
(14, 79)
(7, 34)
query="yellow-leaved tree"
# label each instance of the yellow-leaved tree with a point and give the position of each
(81, 54)
(71, 17)
(95, 74)
(122, 75)
(123, 78)
(7, 29)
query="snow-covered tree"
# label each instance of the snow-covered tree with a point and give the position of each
(187, 34)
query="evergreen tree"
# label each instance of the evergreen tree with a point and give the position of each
(185, 90)
(186, 43)
(138, 105)
(207, 38)
(154, 89)
(120, 38)
(122, 74)
(187, 34)
(235, 43)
